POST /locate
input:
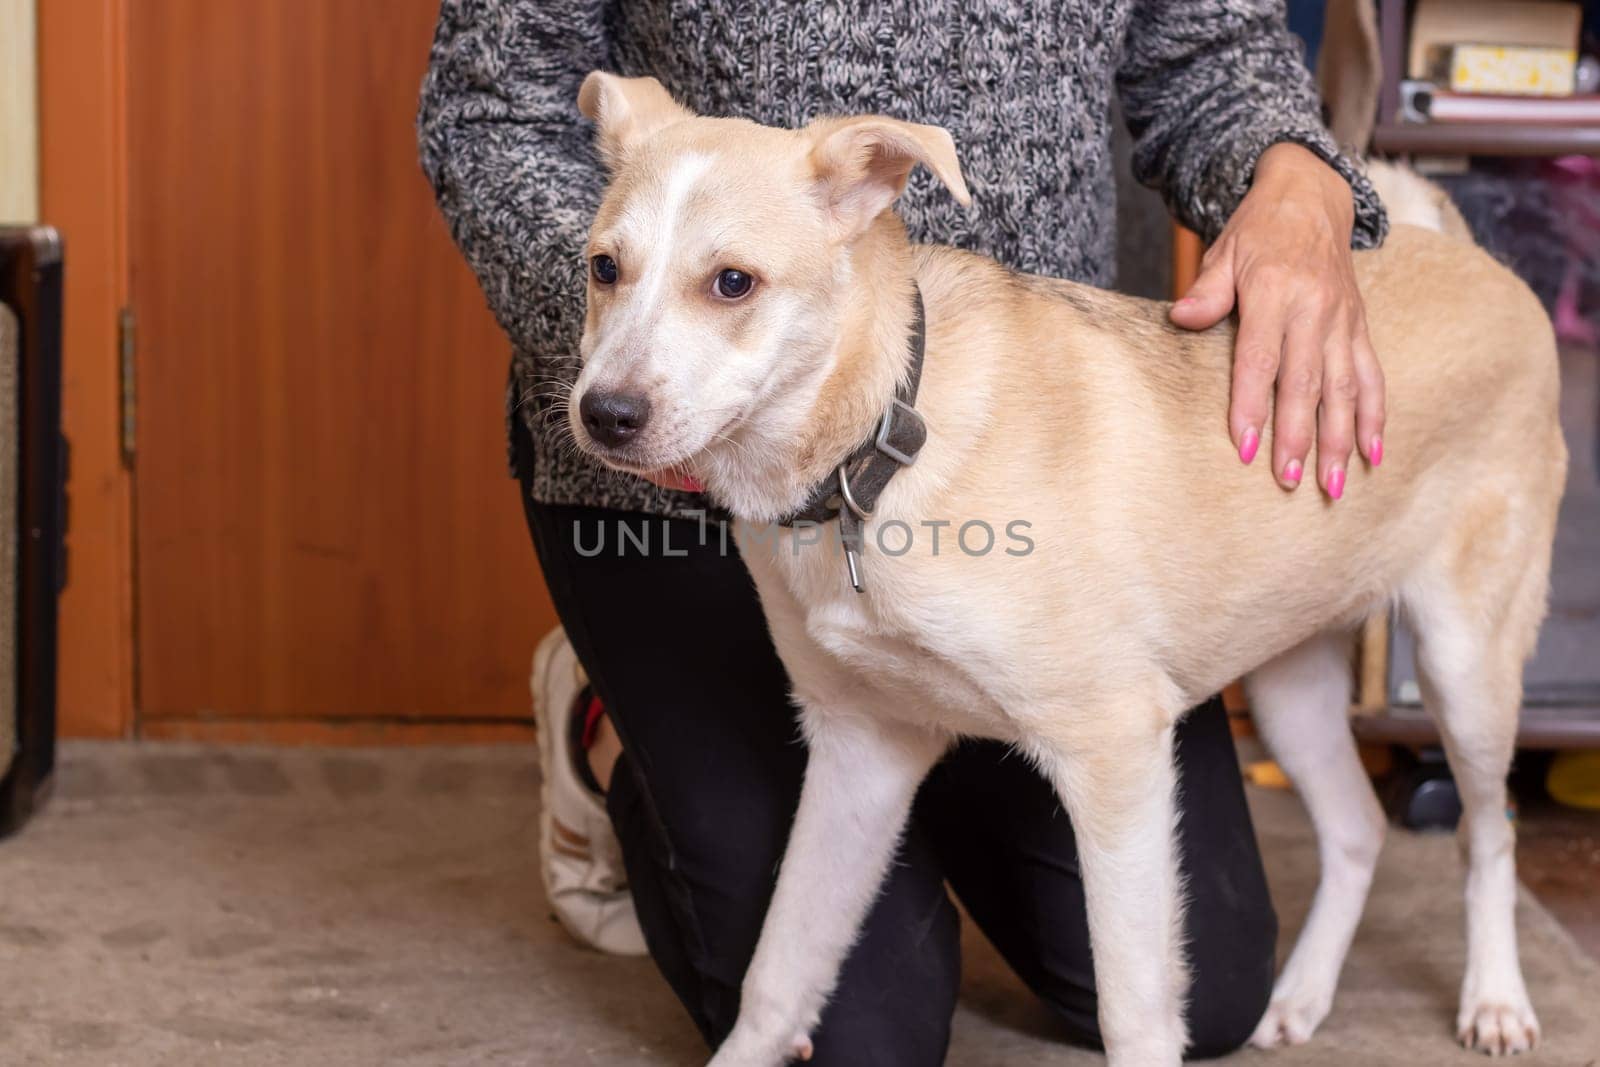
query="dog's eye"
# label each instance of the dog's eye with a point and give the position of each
(732, 284)
(604, 268)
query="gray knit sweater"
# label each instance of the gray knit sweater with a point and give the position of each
(1024, 88)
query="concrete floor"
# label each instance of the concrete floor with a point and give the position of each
(247, 907)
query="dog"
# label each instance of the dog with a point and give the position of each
(755, 319)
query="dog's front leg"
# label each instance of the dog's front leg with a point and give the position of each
(1118, 788)
(861, 776)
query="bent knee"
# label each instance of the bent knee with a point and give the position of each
(1229, 990)
(1231, 976)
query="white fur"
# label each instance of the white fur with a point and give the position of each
(1462, 657)
(653, 229)
(1299, 702)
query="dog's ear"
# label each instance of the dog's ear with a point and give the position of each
(863, 164)
(626, 111)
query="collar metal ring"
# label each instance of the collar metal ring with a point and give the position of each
(849, 497)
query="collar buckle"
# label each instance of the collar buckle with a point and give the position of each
(884, 442)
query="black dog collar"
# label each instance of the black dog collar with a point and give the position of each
(851, 492)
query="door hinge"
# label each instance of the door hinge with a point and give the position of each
(127, 345)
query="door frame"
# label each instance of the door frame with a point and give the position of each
(83, 192)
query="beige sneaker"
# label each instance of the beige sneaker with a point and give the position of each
(579, 854)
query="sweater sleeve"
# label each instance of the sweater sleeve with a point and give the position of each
(1207, 86)
(510, 159)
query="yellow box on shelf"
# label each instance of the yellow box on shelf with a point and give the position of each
(1518, 70)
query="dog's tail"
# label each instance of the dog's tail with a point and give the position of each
(1411, 198)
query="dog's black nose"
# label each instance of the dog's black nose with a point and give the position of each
(613, 418)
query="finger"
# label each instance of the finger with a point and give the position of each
(1372, 400)
(1299, 388)
(1210, 298)
(1336, 418)
(1256, 354)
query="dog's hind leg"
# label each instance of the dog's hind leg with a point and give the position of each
(861, 776)
(1300, 702)
(1470, 655)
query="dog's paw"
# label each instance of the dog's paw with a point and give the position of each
(1291, 1020)
(745, 1048)
(1498, 1028)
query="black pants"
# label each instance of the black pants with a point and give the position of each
(678, 650)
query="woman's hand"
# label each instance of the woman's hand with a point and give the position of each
(1284, 258)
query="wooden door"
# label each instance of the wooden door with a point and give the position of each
(326, 536)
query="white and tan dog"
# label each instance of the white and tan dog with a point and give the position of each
(749, 306)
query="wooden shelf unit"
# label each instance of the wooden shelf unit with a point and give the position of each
(1485, 139)
(1458, 138)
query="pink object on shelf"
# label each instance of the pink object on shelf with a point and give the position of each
(1577, 182)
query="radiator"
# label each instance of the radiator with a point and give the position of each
(33, 463)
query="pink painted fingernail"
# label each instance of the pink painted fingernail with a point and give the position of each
(1292, 471)
(1248, 445)
(1336, 482)
(1375, 453)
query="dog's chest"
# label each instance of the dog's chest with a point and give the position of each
(907, 678)
(893, 649)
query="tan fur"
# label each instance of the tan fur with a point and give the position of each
(1410, 197)
(1161, 570)
(627, 110)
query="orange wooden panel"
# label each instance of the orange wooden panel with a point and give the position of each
(82, 171)
(325, 526)
(1186, 252)
(337, 732)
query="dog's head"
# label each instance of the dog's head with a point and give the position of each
(720, 268)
